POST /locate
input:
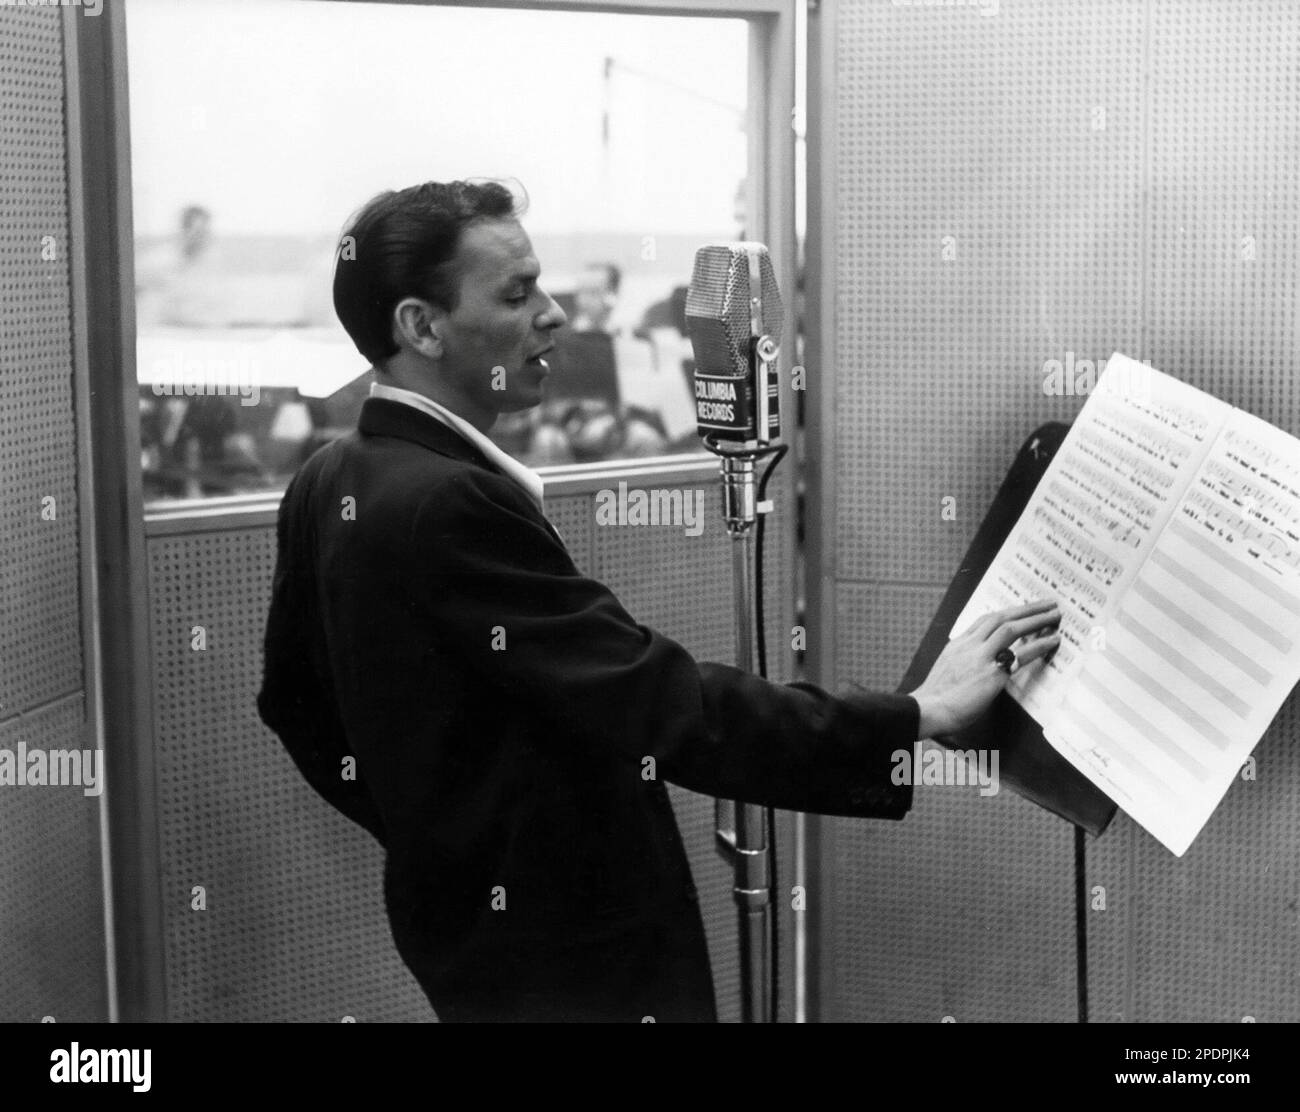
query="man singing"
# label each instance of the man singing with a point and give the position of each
(512, 725)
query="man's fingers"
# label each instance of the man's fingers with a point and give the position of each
(1008, 633)
(1034, 649)
(982, 628)
(987, 625)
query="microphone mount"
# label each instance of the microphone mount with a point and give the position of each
(743, 495)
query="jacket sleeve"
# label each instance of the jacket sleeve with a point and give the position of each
(491, 577)
(293, 701)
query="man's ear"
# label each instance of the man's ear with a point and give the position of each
(416, 326)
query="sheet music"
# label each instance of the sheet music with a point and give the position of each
(1103, 500)
(1206, 646)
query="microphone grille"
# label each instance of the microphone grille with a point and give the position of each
(718, 305)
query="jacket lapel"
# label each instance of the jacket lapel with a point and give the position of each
(385, 417)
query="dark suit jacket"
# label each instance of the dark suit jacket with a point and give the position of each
(500, 705)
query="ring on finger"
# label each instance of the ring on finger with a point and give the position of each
(1006, 660)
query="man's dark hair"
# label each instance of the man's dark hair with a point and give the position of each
(403, 244)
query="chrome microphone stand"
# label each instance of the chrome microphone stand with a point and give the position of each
(746, 842)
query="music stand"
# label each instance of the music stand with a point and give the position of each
(1027, 762)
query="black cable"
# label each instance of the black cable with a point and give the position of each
(775, 455)
(761, 630)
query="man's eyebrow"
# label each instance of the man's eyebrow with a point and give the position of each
(524, 277)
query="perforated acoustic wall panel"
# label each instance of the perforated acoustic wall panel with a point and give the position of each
(1215, 935)
(964, 909)
(1212, 936)
(51, 907)
(1224, 216)
(574, 521)
(40, 641)
(1018, 185)
(986, 202)
(988, 221)
(52, 956)
(294, 927)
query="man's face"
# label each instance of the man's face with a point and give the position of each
(492, 342)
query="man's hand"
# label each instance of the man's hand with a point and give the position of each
(965, 678)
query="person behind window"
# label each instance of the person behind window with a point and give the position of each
(663, 327)
(196, 233)
(169, 278)
(597, 297)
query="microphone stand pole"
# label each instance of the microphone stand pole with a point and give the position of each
(747, 843)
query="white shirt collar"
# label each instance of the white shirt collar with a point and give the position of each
(529, 480)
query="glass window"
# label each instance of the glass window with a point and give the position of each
(258, 128)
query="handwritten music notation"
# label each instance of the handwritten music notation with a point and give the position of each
(1264, 501)
(1135, 430)
(1072, 548)
(1186, 421)
(1155, 482)
(1096, 505)
(1250, 453)
(1233, 527)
